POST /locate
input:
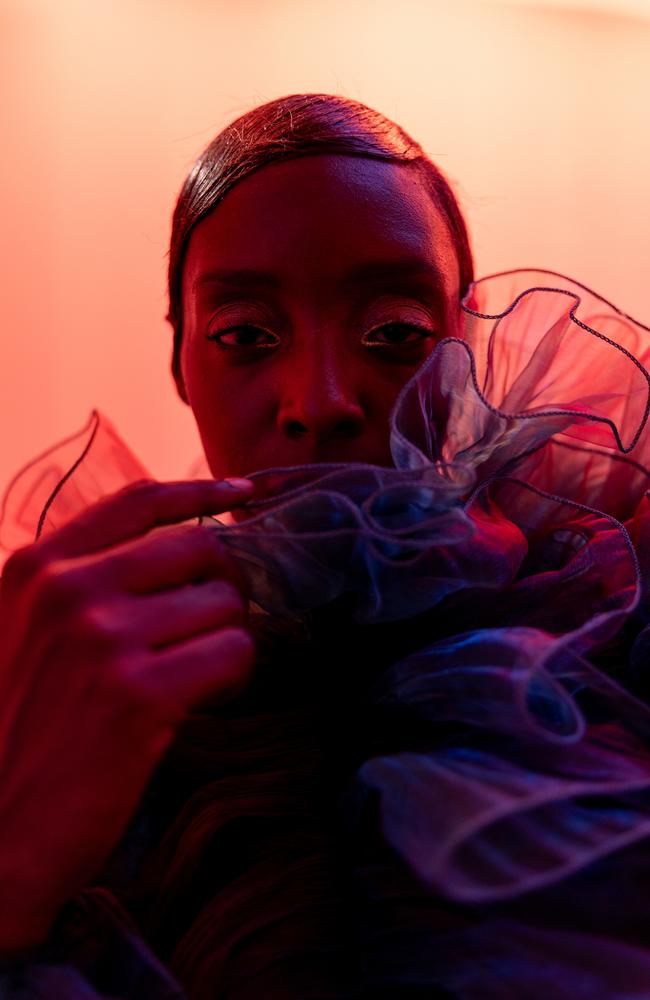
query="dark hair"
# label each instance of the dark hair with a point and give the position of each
(286, 128)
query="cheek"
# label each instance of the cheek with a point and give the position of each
(210, 387)
(224, 413)
(229, 408)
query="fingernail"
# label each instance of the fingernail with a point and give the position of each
(238, 484)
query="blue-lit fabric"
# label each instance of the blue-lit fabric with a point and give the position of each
(516, 516)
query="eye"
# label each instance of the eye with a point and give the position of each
(243, 335)
(398, 333)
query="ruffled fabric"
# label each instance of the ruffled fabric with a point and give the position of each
(515, 521)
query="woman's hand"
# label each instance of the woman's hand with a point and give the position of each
(108, 635)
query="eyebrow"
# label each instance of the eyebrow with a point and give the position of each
(366, 273)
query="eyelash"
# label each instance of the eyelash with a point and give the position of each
(217, 335)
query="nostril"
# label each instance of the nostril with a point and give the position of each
(348, 428)
(295, 429)
(343, 428)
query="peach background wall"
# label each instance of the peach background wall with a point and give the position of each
(539, 112)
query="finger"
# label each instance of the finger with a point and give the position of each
(138, 508)
(218, 664)
(179, 556)
(160, 620)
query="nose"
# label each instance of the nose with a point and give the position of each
(319, 400)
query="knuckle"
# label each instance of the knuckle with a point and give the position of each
(191, 534)
(242, 645)
(59, 586)
(207, 549)
(150, 489)
(236, 656)
(100, 625)
(145, 491)
(230, 599)
(138, 486)
(242, 653)
(220, 557)
(207, 537)
(125, 691)
(135, 693)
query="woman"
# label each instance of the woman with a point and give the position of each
(377, 727)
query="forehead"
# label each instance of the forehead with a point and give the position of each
(323, 219)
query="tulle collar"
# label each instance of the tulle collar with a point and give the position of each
(516, 517)
(547, 386)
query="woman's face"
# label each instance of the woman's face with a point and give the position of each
(311, 294)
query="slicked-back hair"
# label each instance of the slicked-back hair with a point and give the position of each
(287, 128)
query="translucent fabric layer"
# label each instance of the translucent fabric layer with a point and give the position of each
(516, 518)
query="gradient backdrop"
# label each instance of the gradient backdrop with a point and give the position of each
(539, 112)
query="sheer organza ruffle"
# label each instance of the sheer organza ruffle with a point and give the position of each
(516, 516)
